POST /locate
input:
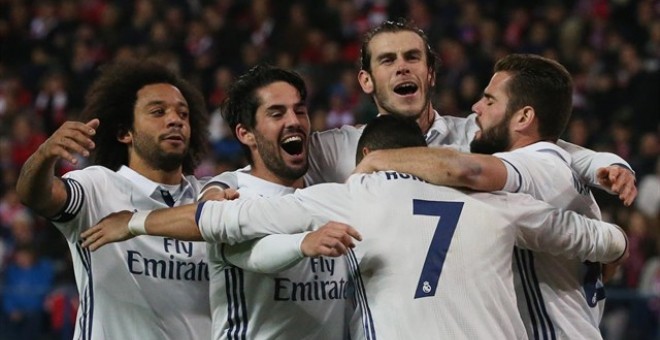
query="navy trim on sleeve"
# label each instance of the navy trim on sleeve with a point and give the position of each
(627, 168)
(198, 213)
(223, 185)
(75, 197)
(517, 172)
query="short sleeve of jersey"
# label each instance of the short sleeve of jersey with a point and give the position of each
(332, 155)
(226, 179)
(75, 198)
(535, 172)
(85, 191)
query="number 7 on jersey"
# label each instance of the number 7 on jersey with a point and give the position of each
(448, 212)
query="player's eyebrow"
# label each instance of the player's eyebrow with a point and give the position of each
(281, 107)
(162, 102)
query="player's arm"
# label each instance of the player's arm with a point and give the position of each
(212, 221)
(221, 187)
(176, 222)
(562, 232)
(37, 186)
(443, 166)
(604, 170)
(275, 253)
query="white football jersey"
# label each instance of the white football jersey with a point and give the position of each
(558, 297)
(435, 262)
(332, 152)
(148, 287)
(306, 301)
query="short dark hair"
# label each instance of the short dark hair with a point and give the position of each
(242, 102)
(112, 99)
(390, 26)
(390, 132)
(543, 84)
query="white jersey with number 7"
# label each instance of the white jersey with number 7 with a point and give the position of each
(435, 262)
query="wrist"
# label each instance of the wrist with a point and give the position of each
(136, 225)
(211, 187)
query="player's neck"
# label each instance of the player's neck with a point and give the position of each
(157, 175)
(426, 119)
(524, 140)
(267, 175)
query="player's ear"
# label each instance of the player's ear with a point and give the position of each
(364, 78)
(362, 153)
(431, 77)
(522, 119)
(244, 135)
(525, 117)
(124, 135)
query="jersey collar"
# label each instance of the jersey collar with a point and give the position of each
(150, 188)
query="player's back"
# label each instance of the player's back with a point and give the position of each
(558, 297)
(435, 263)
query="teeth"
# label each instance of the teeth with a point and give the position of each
(292, 139)
(406, 85)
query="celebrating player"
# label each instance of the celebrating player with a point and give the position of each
(305, 299)
(145, 133)
(524, 110)
(434, 262)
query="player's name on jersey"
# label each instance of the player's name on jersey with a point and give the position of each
(323, 286)
(168, 269)
(392, 175)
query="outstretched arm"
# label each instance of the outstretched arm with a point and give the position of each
(37, 187)
(443, 166)
(182, 223)
(604, 170)
(176, 222)
(563, 232)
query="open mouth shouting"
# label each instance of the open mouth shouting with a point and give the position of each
(406, 89)
(293, 145)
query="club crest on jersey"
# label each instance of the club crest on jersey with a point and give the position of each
(426, 288)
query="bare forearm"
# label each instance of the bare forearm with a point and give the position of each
(177, 222)
(442, 166)
(431, 166)
(37, 186)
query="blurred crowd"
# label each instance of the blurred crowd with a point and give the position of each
(50, 51)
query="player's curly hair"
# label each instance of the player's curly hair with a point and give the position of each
(242, 102)
(112, 99)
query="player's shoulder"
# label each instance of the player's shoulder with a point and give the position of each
(540, 153)
(346, 131)
(381, 179)
(506, 201)
(452, 121)
(96, 180)
(93, 172)
(196, 183)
